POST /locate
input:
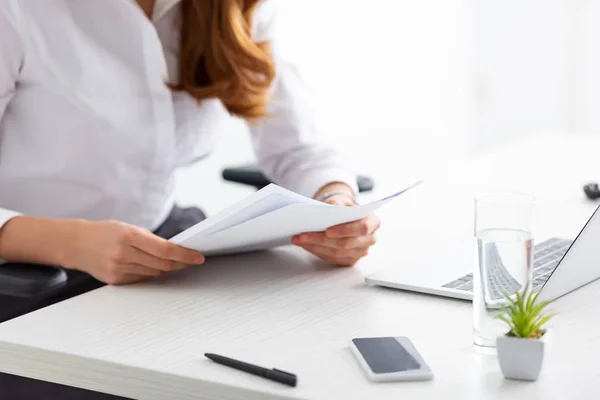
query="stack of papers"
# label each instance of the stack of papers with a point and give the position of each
(269, 218)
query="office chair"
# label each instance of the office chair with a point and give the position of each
(251, 175)
(30, 280)
(33, 281)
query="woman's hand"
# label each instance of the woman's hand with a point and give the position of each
(117, 253)
(343, 244)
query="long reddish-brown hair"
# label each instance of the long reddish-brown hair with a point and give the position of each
(220, 59)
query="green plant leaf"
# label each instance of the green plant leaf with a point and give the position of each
(520, 302)
(522, 322)
(513, 307)
(536, 310)
(523, 314)
(532, 298)
(541, 322)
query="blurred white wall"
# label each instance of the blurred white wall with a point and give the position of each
(586, 78)
(405, 85)
(523, 68)
(538, 65)
(391, 78)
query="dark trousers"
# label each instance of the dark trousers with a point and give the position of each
(18, 388)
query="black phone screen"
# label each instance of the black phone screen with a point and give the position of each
(385, 355)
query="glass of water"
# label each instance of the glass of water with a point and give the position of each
(504, 244)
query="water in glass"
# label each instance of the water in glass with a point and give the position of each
(503, 267)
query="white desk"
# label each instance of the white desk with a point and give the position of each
(283, 309)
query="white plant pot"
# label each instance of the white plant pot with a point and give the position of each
(520, 358)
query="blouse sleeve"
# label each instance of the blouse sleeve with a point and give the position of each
(290, 148)
(11, 60)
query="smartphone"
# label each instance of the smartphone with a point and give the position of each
(386, 359)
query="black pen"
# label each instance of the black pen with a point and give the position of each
(273, 374)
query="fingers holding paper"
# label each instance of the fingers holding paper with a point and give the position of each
(344, 244)
(358, 229)
(117, 253)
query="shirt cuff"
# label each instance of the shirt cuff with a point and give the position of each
(7, 215)
(313, 181)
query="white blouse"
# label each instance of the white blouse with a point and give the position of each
(88, 128)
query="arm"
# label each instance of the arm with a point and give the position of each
(111, 251)
(23, 239)
(291, 150)
(11, 60)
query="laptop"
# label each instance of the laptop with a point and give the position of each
(559, 266)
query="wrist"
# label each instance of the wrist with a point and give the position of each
(65, 241)
(335, 188)
(338, 197)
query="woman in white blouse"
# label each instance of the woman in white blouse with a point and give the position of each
(101, 101)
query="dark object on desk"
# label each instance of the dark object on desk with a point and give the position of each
(272, 374)
(29, 280)
(251, 175)
(592, 191)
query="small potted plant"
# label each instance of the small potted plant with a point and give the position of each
(521, 350)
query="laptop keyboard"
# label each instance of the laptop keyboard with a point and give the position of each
(546, 256)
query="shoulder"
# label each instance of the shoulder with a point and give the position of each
(265, 19)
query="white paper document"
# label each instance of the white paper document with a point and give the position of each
(269, 218)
